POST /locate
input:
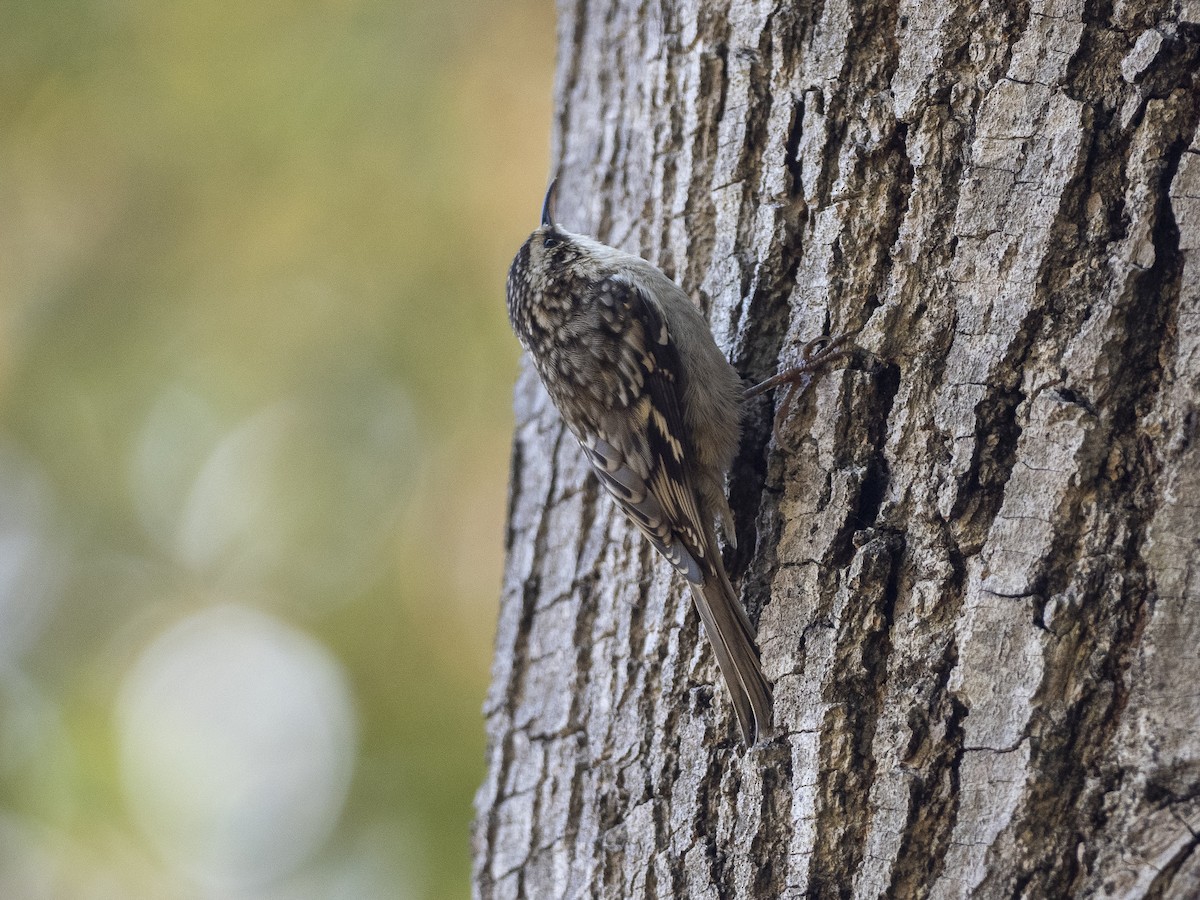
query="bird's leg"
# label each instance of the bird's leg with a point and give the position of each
(815, 358)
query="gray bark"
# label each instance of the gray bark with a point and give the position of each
(976, 570)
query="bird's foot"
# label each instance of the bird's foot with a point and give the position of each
(815, 358)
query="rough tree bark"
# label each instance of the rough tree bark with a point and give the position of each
(976, 571)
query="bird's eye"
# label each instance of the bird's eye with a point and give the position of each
(549, 242)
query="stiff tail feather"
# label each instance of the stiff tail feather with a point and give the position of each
(732, 638)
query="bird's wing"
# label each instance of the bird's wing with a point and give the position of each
(640, 448)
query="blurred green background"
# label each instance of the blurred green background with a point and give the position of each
(255, 383)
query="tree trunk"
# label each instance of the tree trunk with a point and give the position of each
(975, 567)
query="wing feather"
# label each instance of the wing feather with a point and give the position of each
(641, 449)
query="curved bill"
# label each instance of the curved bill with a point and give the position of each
(548, 205)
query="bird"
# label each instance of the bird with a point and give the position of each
(633, 369)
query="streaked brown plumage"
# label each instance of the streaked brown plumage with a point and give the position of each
(633, 368)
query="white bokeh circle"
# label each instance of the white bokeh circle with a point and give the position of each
(237, 743)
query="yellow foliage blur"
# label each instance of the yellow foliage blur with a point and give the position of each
(255, 390)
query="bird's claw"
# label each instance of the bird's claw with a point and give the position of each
(815, 358)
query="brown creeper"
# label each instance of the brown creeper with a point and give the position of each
(631, 365)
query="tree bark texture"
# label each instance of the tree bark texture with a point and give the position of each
(975, 568)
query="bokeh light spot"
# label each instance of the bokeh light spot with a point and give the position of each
(236, 740)
(31, 564)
